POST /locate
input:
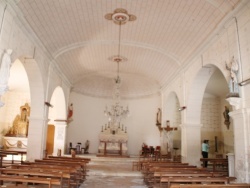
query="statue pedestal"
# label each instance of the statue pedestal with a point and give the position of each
(15, 143)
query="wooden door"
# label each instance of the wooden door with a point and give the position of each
(50, 139)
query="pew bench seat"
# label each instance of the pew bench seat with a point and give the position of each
(170, 180)
(25, 179)
(233, 185)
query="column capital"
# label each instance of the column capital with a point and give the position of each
(235, 102)
(38, 118)
(60, 122)
(240, 112)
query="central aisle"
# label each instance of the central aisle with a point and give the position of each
(112, 172)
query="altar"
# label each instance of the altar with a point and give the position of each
(15, 143)
(113, 142)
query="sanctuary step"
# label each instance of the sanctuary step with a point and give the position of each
(112, 155)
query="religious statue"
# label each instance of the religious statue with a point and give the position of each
(70, 113)
(20, 123)
(158, 117)
(86, 149)
(226, 117)
(233, 67)
(5, 73)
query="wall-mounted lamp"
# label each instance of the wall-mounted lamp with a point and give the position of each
(245, 82)
(182, 108)
(48, 104)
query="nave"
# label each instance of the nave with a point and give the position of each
(112, 173)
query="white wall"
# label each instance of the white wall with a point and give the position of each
(88, 118)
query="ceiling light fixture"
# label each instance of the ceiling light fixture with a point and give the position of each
(117, 112)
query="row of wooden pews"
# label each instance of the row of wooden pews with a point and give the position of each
(232, 185)
(5, 153)
(60, 171)
(176, 174)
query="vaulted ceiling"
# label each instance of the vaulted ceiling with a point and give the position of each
(157, 45)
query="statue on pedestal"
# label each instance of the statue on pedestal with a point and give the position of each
(5, 73)
(233, 67)
(158, 117)
(20, 123)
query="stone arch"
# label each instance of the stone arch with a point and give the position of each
(191, 127)
(57, 118)
(197, 90)
(172, 105)
(195, 95)
(37, 128)
(213, 127)
(59, 105)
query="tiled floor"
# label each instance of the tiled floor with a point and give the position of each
(104, 172)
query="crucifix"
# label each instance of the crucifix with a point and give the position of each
(169, 136)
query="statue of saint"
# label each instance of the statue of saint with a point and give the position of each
(5, 73)
(233, 67)
(21, 122)
(5, 69)
(86, 149)
(70, 113)
(158, 117)
(226, 117)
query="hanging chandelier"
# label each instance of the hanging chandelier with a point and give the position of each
(117, 112)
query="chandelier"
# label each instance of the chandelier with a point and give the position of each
(117, 112)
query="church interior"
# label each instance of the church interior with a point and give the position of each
(115, 81)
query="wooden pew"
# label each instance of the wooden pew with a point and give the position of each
(79, 175)
(188, 173)
(25, 179)
(143, 164)
(75, 173)
(45, 167)
(149, 176)
(215, 162)
(1, 159)
(13, 153)
(146, 167)
(69, 158)
(170, 180)
(38, 173)
(236, 185)
(50, 163)
(148, 172)
(160, 163)
(65, 162)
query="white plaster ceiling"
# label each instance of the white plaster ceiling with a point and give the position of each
(158, 44)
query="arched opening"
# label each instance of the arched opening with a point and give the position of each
(204, 114)
(14, 115)
(57, 123)
(217, 127)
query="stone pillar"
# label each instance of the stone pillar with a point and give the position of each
(241, 119)
(231, 164)
(60, 136)
(191, 143)
(36, 138)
